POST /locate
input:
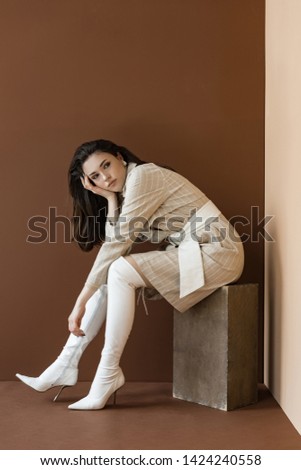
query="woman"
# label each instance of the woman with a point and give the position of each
(119, 199)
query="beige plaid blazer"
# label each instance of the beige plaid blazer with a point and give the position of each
(157, 205)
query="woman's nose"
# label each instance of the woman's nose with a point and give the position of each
(105, 177)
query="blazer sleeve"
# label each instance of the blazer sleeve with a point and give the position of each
(144, 195)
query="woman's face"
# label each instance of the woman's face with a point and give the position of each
(106, 171)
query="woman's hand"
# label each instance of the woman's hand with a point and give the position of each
(74, 320)
(75, 317)
(96, 189)
(110, 196)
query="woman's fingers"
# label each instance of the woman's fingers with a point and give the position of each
(106, 193)
(78, 332)
(86, 183)
(75, 329)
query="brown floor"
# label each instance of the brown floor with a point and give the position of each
(146, 417)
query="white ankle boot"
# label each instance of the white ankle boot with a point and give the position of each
(123, 280)
(106, 388)
(63, 371)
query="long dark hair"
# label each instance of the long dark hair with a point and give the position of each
(89, 210)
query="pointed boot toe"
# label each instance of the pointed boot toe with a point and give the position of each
(97, 403)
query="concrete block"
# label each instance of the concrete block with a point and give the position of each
(216, 348)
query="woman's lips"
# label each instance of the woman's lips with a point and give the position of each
(112, 183)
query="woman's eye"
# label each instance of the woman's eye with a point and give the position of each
(94, 177)
(106, 165)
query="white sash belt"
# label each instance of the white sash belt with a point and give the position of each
(189, 251)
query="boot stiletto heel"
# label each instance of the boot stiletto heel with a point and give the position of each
(60, 391)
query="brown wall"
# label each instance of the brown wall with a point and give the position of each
(178, 82)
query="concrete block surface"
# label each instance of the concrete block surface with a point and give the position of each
(216, 348)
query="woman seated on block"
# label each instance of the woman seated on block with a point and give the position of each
(118, 200)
